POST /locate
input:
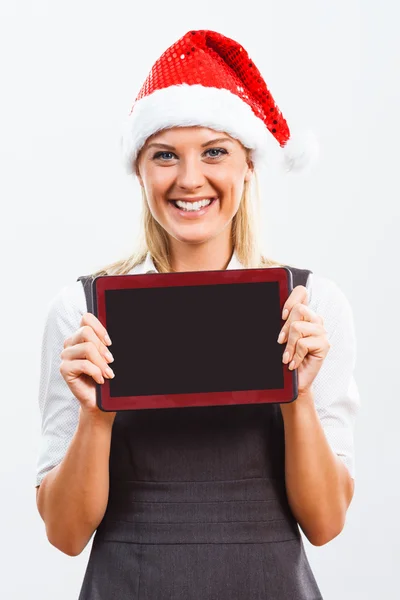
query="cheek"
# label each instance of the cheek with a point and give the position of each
(233, 188)
(229, 180)
(157, 181)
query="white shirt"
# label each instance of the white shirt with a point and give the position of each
(335, 391)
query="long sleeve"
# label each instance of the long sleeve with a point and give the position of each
(59, 409)
(337, 398)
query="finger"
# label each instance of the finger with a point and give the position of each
(71, 369)
(298, 330)
(86, 333)
(299, 312)
(89, 319)
(307, 345)
(298, 295)
(87, 351)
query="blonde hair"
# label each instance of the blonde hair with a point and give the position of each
(153, 238)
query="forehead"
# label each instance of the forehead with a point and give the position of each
(188, 135)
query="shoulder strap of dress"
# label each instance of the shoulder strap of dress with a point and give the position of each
(300, 276)
(87, 287)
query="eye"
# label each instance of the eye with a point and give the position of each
(159, 154)
(162, 154)
(217, 150)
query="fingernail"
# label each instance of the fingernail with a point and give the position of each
(107, 340)
(285, 357)
(110, 372)
(285, 313)
(291, 366)
(109, 356)
(281, 337)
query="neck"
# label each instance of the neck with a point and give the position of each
(212, 256)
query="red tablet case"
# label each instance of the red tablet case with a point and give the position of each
(108, 402)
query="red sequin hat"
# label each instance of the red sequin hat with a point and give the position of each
(209, 80)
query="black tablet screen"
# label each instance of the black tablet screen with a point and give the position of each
(193, 339)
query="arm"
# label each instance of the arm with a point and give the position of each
(319, 485)
(319, 448)
(72, 470)
(73, 496)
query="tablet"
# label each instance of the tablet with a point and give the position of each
(202, 338)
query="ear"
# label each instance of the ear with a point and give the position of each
(250, 170)
(140, 180)
(137, 173)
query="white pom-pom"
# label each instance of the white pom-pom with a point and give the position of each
(301, 152)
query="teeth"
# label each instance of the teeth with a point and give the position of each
(193, 205)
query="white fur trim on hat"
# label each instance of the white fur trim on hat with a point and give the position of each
(301, 152)
(189, 105)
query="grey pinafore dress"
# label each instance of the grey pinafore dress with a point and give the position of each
(198, 508)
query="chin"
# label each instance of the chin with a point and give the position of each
(191, 239)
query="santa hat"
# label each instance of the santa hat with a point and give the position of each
(209, 80)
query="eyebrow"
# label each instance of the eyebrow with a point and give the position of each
(217, 140)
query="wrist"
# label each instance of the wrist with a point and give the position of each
(305, 396)
(303, 401)
(96, 418)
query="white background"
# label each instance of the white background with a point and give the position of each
(69, 75)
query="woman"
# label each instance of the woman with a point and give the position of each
(202, 502)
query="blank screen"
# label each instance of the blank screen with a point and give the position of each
(194, 339)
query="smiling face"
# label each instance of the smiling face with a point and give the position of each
(192, 164)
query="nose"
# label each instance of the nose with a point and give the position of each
(190, 174)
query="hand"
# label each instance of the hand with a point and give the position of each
(85, 360)
(307, 342)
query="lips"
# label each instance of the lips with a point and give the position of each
(191, 213)
(193, 199)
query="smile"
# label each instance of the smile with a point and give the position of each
(193, 209)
